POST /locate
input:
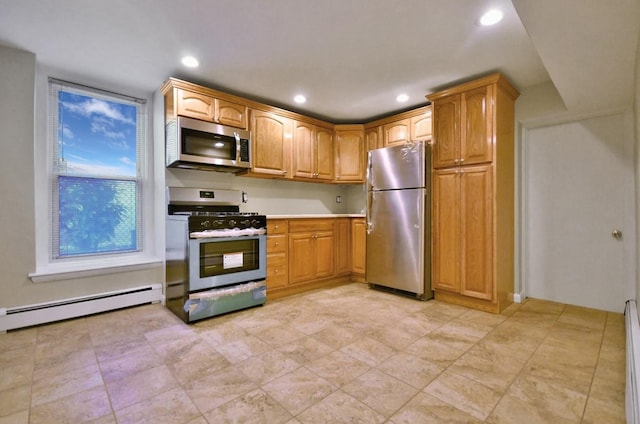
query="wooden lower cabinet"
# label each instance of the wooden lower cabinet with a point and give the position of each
(310, 253)
(462, 258)
(343, 246)
(358, 248)
(277, 254)
(311, 249)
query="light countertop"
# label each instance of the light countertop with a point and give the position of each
(319, 215)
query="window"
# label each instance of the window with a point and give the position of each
(95, 203)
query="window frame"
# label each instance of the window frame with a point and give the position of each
(50, 268)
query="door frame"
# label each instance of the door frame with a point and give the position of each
(522, 197)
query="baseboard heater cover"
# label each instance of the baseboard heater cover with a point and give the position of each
(41, 313)
(632, 390)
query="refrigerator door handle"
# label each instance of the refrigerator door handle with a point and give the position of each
(368, 212)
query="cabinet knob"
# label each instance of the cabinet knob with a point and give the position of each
(461, 160)
(456, 160)
(277, 244)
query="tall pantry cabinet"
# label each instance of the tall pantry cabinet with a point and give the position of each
(473, 193)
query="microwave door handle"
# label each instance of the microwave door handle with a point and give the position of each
(237, 137)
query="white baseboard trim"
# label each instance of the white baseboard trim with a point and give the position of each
(41, 313)
(518, 297)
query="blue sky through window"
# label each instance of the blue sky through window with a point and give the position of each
(96, 137)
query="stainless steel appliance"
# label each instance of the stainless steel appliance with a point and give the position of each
(195, 144)
(398, 219)
(216, 256)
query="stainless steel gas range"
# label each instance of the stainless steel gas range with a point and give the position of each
(216, 255)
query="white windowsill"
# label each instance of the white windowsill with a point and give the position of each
(89, 268)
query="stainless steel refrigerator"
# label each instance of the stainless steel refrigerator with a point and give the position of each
(398, 219)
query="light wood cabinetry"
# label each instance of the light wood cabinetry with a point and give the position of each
(311, 249)
(358, 248)
(343, 246)
(373, 138)
(277, 253)
(413, 125)
(462, 227)
(271, 144)
(421, 125)
(312, 152)
(397, 132)
(208, 108)
(464, 128)
(349, 154)
(473, 218)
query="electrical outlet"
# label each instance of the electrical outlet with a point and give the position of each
(338, 199)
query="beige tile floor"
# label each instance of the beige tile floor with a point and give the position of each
(342, 355)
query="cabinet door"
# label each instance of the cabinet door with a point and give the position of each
(421, 127)
(373, 138)
(271, 142)
(303, 146)
(233, 114)
(324, 254)
(476, 232)
(343, 246)
(476, 144)
(301, 257)
(195, 105)
(358, 246)
(349, 157)
(396, 133)
(446, 230)
(446, 131)
(324, 154)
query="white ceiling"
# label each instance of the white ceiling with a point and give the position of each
(349, 57)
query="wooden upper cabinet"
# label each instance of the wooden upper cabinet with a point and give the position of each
(230, 113)
(324, 154)
(421, 126)
(373, 138)
(446, 132)
(398, 132)
(195, 105)
(271, 144)
(349, 155)
(208, 108)
(462, 131)
(477, 133)
(312, 152)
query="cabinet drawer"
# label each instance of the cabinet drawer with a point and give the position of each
(278, 226)
(277, 270)
(277, 243)
(306, 225)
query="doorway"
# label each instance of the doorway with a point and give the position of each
(578, 228)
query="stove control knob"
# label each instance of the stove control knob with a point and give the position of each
(205, 224)
(255, 223)
(246, 223)
(232, 223)
(218, 222)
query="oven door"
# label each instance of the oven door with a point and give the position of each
(221, 261)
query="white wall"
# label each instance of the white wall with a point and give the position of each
(17, 71)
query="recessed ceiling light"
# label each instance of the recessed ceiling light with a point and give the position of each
(300, 99)
(402, 98)
(190, 62)
(491, 17)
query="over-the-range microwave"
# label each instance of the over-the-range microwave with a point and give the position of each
(195, 144)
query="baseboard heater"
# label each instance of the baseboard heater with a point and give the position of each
(41, 313)
(632, 390)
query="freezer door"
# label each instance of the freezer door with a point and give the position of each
(397, 167)
(396, 240)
